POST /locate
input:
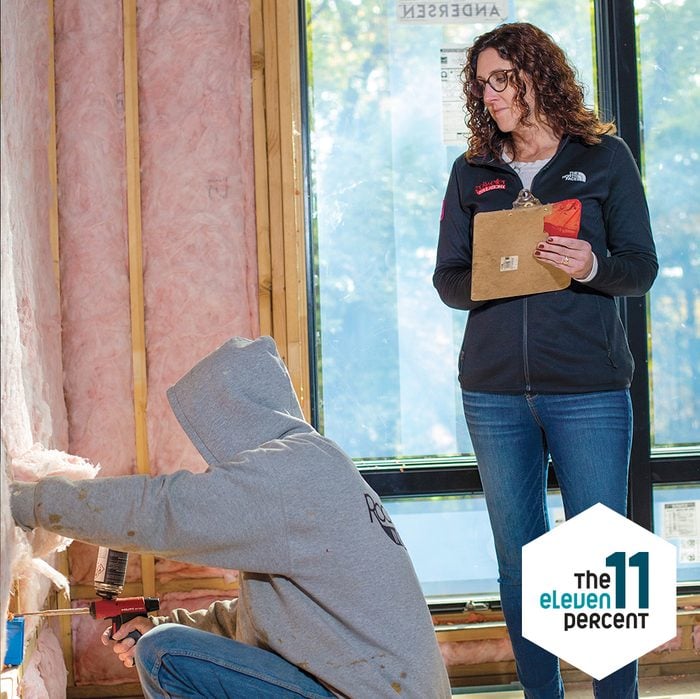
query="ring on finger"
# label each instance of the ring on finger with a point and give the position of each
(565, 260)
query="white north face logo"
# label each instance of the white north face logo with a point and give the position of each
(574, 176)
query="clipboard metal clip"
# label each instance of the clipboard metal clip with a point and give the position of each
(526, 199)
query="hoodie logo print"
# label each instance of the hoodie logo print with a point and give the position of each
(378, 514)
(488, 186)
(574, 176)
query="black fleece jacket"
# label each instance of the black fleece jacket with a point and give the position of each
(568, 341)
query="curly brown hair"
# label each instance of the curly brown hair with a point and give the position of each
(558, 93)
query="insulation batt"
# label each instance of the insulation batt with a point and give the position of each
(93, 662)
(33, 409)
(475, 652)
(98, 663)
(44, 673)
(200, 279)
(198, 230)
(31, 377)
(672, 644)
(167, 570)
(37, 463)
(97, 348)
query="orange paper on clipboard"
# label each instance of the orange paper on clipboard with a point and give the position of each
(564, 219)
(503, 264)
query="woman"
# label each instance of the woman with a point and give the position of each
(545, 374)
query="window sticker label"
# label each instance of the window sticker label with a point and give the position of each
(681, 523)
(454, 130)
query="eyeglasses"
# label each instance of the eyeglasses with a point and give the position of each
(498, 80)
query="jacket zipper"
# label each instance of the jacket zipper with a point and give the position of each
(526, 366)
(526, 369)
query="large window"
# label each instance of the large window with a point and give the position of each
(669, 62)
(386, 122)
(383, 123)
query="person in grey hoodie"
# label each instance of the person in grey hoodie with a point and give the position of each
(329, 602)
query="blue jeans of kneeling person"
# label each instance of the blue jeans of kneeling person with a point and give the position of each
(589, 437)
(178, 661)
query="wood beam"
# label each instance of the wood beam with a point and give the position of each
(137, 303)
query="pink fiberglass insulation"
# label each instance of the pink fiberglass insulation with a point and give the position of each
(675, 643)
(197, 197)
(93, 662)
(198, 231)
(167, 570)
(475, 652)
(45, 673)
(94, 250)
(32, 465)
(96, 663)
(32, 403)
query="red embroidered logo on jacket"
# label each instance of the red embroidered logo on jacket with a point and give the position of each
(488, 186)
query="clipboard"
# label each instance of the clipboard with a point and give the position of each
(503, 243)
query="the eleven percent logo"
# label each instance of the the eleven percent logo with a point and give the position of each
(599, 591)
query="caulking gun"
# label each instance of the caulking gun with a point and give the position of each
(118, 610)
(110, 575)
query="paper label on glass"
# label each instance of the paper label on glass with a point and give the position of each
(454, 129)
(681, 519)
(681, 522)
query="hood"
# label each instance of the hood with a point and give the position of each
(237, 398)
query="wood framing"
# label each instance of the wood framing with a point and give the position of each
(279, 187)
(681, 658)
(137, 304)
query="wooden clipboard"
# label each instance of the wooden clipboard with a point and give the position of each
(503, 264)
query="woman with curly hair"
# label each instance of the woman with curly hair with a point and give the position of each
(545, 375)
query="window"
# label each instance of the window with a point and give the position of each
(669, 62)
(385, 124)
(382, 126)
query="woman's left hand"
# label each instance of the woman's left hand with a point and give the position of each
(571, 255)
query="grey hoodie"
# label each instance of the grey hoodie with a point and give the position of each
(325, 582)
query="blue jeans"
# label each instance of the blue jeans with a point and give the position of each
(178, 661)
(589, 437)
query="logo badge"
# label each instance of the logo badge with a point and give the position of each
(489, 186)
(599, 591)
(378, 514)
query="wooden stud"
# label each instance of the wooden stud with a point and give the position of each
(262, 213)
(279, 184)
(133, 198)
(294, 231)
(274, 178)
